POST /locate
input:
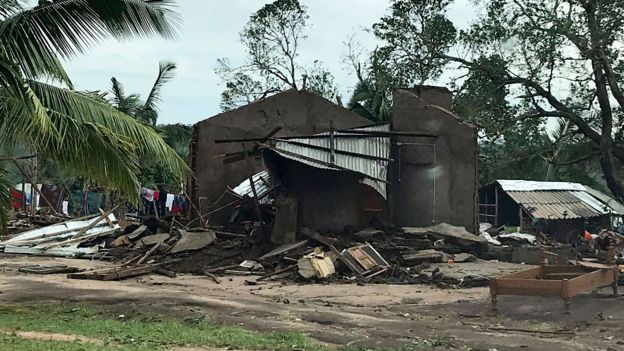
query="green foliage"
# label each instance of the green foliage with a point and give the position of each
(144, 111)
(272, 37)
(77, 131)
(518, 65)
(372, 95)
(415, 33)
(177, 136)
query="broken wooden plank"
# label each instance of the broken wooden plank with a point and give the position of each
(213, 277)
(432, 256)
(98, 220)
(421, 244)
(117, 273)
(150, 251)
(283, 249)
(165, 272)
(48, 269)
(151, 240)
(277, 272)
(220, 269)
(137, 232)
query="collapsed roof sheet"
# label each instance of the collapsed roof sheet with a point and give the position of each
(318, 154)
(262, 182)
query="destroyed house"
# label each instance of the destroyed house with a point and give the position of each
(560, 209)
(336, 170)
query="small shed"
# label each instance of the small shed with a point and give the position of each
(562, 210)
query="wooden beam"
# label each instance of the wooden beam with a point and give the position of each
(34, 187)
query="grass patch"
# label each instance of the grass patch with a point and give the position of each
(16, 343)
(141, 332)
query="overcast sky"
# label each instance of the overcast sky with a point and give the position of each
(210, 31)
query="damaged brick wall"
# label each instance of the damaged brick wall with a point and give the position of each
(296, 112)
(435, 179)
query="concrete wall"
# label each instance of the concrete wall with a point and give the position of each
(436, 178)
(296, 112)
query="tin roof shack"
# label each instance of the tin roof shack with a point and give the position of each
(560, 209)
(295, 112)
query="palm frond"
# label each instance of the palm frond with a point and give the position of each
(31, 120)
(9, 8)
(166, 72)
(34, 38)
(128, 104)
(118, 92)
(85, 109)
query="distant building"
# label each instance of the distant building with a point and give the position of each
(560, 209)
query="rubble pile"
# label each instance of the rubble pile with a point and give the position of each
(405, 255)
(429, 255)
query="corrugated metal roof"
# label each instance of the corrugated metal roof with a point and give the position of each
(530, 185)
(617, 207)
(374, 170)
(262, 181)
(557, 204)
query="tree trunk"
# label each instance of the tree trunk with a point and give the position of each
(607, 162)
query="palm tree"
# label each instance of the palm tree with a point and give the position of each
(39, 108)
(144, 111)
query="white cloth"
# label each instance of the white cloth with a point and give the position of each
(66, 208)
(169, 201)
(147, 194)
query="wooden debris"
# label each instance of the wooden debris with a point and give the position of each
(165, 272)
(213, 277)
(557, 332)
(277, 272)
(432, 256)
(37, 269)
(283, 249)
(117, 273)
(148, 253)
(421, 244)
(220, 269)
(151, 240)
(137, 232)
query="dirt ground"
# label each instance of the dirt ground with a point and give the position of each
(343, 314)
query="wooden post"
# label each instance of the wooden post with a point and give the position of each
(250, 169)
(23, 193)
(565, 294)
(103, 216)
(33, 189)
(496, 207)
(493, 294)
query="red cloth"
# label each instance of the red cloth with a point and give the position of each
(175, 209)
(16, 197)
(156, 195)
